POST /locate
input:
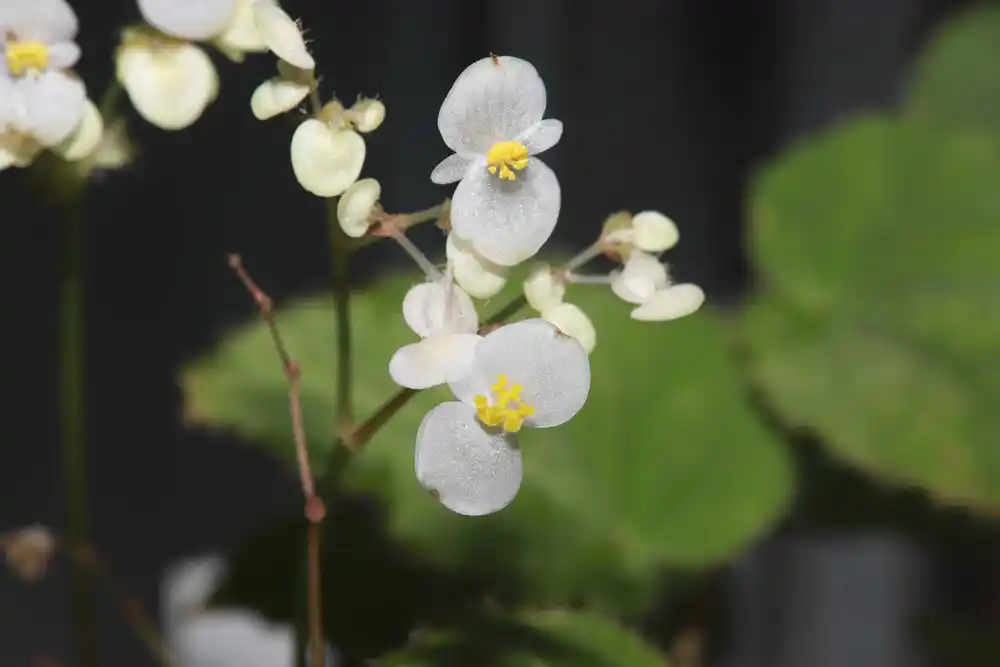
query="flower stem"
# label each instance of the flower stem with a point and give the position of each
(340, 256)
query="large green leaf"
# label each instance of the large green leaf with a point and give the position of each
(532, 639)
(879, 323)
(665, 465)
(957, 78)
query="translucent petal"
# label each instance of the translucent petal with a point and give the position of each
(450, 169)
(367, 114)
(189, 19)
(437, 360)
(326, 161)
(170, 83)
(475, 274)
(572, 321)
(542, 136)
(356, 204)
(85, 138)
(63, 55)
(276, 96)
(551, 366)
(426, 309)
(494, 99)
(507, 222)
(281, 34)
(471, 471)
(670, 303)
(654, 232)
(53, 105)
(242, 33)
(47, 21)
(642, 275)
(542, 289)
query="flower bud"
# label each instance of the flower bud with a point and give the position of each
(367, 114)
(355, 206)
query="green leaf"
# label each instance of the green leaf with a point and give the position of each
(879, 324)
(957, 79)
(531, 639)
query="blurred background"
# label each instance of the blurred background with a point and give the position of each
(838, 555)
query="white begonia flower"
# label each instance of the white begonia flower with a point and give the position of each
(276, 96)
(644, 281)
(366, 114)
(282, 34)
(195, 20)
(522, 374)
(445, 318)
(475, 274)
(326, 160)
(355, 206)
(647, 231)
(170, 82)
(507, 201)
(543, 290)
(41, 102)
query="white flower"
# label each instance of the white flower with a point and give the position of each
(41, 102)
(326, 160)
(445, 318)
(544, 291)
(523, 374)
(281, 34)
(356, 205)
(478, 276)
(281, 93)
(85, 138)
(648, 231)
(644, 281)
(507, 202)
(195, 20)
(242, 34)
(366, 114)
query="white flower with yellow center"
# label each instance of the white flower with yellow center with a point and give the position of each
(41, 102)
(507, 201)
(445, 318)
(644, 281)
(523, 374)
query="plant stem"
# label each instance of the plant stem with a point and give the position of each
(340, 255)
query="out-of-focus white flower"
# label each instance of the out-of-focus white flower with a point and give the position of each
(445, 319)
(507, 201)
(85, 138)
(366, 114)
(241, 35)
(281, 93)
(194, 20)
(169, 81)
(356, 205)
(523, 374)
(544, 291)
(281, 34)
(478, 276)
(647, 231)
(326, 160)
(41, 101)
(644, 281)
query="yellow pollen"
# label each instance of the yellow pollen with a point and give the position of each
(508, 411)
(506, 156)
(26, 56)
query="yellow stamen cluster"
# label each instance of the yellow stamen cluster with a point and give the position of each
(506, 156)
(26, 56)
(508, 411)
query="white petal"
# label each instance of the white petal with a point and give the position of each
(367, 114)
(189, 19)
(170, 83)
(63, 55)
(231, 637)
(470, 470)
(47, 21)
(572, 321)
(427, 311)
(53, 105)
(475, 274)
(450, 169)
(356, 204)
(189, 584)
(542, 289)
(550, 365)
(494, 99)
(654, 232)
(507, 221)
(281, 34)
(542, 136)
(670, 303)
(17, 151)
(85, 138)
(115, 150)
(326, 161)
(440, 359)
(642, 275)
(276, 96)
(242, 33)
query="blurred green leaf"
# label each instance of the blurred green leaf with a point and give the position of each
(879, 324)
(665, 466)
(957, 78)
(533, 639)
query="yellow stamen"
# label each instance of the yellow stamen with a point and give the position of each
(508, 410)
(26, 56)
(505, 156)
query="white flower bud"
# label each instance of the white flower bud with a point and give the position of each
(543, 290)
(654, 232)
(276, 96)
(572, 321)
(355, 206)
(281, 34)
(478, 276)
(367, 114)
(670, 304)
(325, 161)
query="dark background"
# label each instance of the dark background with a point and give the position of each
(667, 105)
